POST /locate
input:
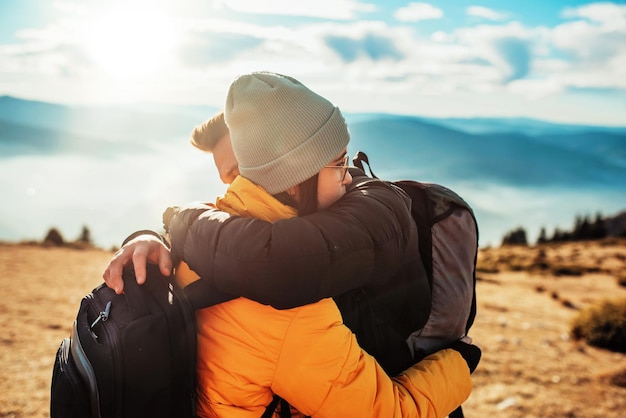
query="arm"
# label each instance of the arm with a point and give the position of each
(349, 382)
(364, 236)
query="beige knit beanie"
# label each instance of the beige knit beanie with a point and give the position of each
(282, 132)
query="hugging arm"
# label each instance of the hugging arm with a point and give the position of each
(367, 235)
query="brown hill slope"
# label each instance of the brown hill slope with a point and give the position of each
(530, 367)
(527, 299)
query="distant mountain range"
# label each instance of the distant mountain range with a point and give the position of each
(480, 158)
(52, 128)
(587, 156)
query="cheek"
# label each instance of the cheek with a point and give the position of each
(329, 190)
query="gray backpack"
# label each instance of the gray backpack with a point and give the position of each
(448, 245)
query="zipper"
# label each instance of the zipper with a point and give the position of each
(102, 316)
(111, 333)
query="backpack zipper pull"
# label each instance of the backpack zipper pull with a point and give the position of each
(103, 316)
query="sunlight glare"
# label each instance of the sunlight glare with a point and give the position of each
(128, 42)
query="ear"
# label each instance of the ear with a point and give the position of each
(293, 190)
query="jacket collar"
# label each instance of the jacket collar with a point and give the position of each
(244, 198)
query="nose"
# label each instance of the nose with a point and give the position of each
(347, 179)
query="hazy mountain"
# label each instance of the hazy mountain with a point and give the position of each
(141, 124)
(439, 153)
(115, 169)
(18, 140)
(525, 126)
(35, 114)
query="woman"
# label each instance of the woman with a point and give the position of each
(291, 145)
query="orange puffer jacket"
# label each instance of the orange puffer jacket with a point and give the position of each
(248, 351)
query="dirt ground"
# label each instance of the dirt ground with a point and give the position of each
(530, 366)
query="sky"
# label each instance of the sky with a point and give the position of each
(561, 61)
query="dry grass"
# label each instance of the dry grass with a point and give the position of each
(528, 298)
(41, 290)
(530, 366)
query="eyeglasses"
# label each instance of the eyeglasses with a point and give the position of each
(344, 165)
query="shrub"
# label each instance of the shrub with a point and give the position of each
(54, 237)
(602, 325)
(568, 304)
(515, 237)
(484, 268)
(618, 378)
(567, 270)
(85, 236)
(540, 261)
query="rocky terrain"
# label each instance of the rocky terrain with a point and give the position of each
(527, 298)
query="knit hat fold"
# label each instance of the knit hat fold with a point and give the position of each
(282, 132)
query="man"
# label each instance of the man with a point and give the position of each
(213, 137)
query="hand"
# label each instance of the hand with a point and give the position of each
(193, 207)
(169, 213)
(138, 252)
(471, 353)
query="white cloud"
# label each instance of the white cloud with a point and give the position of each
(485, 13)
(586, 42)
(398, 69)
(592, 46)
(610, 15)
(415, 12)
(330, 9)
(505, 52)
(535, 89)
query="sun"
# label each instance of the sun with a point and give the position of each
(130, 42)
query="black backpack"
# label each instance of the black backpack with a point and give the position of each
(130, 355)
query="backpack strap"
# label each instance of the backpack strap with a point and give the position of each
(285, 409)
(422, 213)
(269, 411)
(361, 158)
(457, 413)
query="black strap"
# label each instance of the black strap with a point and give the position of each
(422, 213)
(269, 411)
(457, 413)
(285, 409)
(359, 158)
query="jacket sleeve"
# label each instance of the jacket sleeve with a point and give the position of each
(363, 237)
(349, 382)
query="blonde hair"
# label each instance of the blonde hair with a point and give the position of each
(206, 136)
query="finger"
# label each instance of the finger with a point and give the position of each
(113, 276)
(165, 261)
(140, 258)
